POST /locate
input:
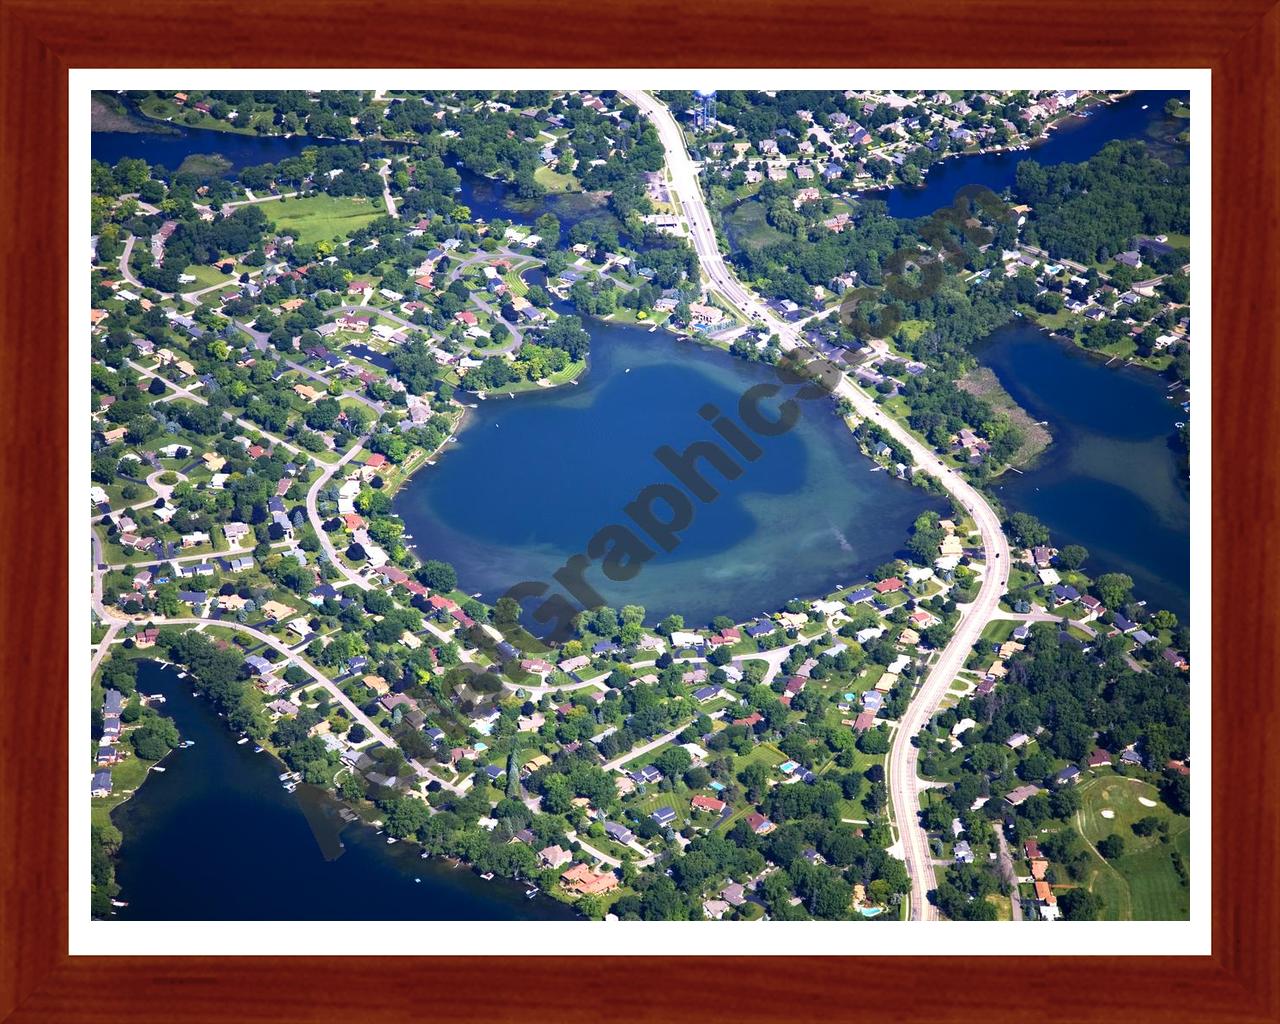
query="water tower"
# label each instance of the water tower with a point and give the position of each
(705, 114)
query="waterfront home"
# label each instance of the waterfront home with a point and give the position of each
(283, 708)
(553, 856)
(574, 664)
(1092, 606)
(683, 638)
(1142, 637)
(258, 663)
(728, 635)
(761, 628)
(582, 881)
(101, 784)
(1065, 594)
(889, 586)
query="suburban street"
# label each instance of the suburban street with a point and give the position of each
(317, 521)
(904, 783)
(653, 744)
(114, 622)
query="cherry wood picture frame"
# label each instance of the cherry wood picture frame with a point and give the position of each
(1238, 39)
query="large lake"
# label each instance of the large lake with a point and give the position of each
(531, 479)
(1110, 480)
(215, 838)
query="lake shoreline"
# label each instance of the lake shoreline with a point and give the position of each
(324, 823)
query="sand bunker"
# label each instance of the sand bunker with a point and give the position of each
(1147, 803)
(1108, 813)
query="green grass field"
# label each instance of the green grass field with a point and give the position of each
(998, 630)
(1141, 884)
(206, 276)
(748, 229)
(554, 181)
(321, 218)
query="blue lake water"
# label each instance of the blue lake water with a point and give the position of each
(532, 479)
(215, 838)
(1139, 115)
(1110, 480)
(170, 149)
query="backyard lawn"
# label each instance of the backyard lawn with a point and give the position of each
(321, 218)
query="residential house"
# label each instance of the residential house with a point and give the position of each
(554, 856)
(583, 881)
(663, 816)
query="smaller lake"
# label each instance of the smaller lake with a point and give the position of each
(215, 838)
(487, 198)
(1140, 115)
(1110, 480)
(532, 479)
(170, 149)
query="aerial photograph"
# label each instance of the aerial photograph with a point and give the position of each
(639, 505)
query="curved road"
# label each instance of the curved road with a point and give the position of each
(317, 521)
(904, 783)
